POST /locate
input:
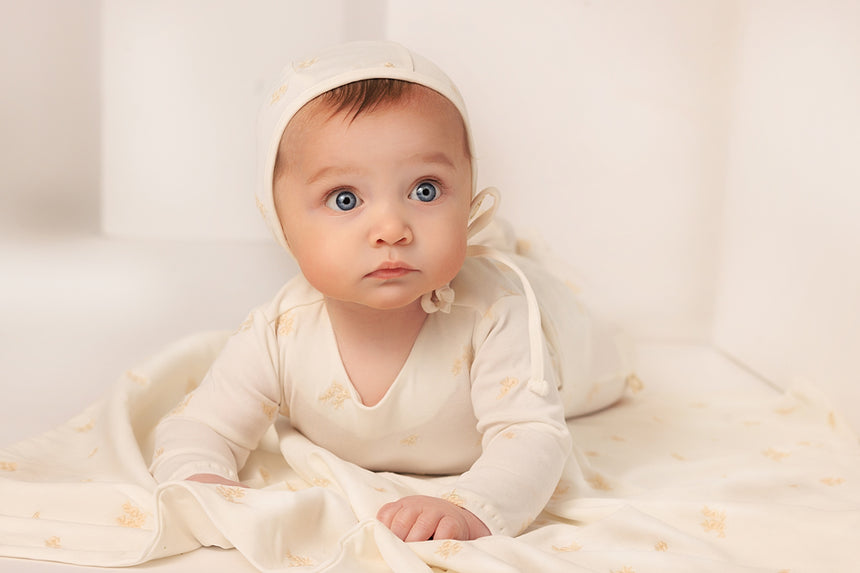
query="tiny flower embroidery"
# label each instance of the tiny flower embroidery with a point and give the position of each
(454, 498)
(635, 384)
(53, 542)
(278, 94)
(574, 546)
(463, 363)
(661, 546)
(132, 516)
(832, 481)
(335, 395)
(598, 482)
(409, 440)
(137, 378)
(86, 427)
(8, 467)
(507, 385)
(269, 410)
(449, 548)
(231, 494)
(775, 455)
(714, 521)
(305, 64)
(285, 324)
(299, 560)
(260, 207)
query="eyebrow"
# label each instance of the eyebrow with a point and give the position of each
(436, 158)
(330, 171)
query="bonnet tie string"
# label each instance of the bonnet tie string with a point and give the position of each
(443, 297)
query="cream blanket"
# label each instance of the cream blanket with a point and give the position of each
(659, 483)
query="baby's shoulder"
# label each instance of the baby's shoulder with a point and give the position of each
(296, 296)
(482, 283)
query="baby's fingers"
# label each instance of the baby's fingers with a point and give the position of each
(399, 517)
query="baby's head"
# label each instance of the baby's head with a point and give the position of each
(368, 173)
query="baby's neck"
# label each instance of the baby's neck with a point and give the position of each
(374, 344)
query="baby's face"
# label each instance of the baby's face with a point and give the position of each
(375, 208)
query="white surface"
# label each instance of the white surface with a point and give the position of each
(181, 87)
(789, 296)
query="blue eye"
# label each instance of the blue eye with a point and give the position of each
(425, 192)
(342, 201)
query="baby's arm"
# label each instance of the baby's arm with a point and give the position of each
(209, 435)
(525, 441)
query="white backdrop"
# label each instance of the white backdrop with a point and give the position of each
(696, 161)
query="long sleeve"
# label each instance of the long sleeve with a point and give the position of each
(525, 440)
(218, 424)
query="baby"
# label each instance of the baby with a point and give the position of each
(400, 347)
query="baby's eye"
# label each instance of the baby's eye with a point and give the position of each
(342, 201)
(425, 191)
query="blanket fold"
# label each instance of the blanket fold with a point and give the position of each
(656, 483)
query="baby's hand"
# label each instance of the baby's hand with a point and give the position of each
(419, 517)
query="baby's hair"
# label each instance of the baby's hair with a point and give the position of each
(359, 97)
(365, 95)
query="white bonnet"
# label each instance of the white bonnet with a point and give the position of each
(302, 81)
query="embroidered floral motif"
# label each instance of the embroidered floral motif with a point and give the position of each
(299, 560)
(37, 515)
(509, 435)
(560, 490)
(714, 521)
(463, 363)
(410, 440)
(132, 516)
(831, 481)
(137, 378)
(449, 548)
(454, 498)
(265, 475)
(787, 410)
(8, 466)
(634, 383)
(305, 64)
(574, 546)
(246, 325)
(260, 207)
(335, 396)
(181, 406)
(53, 542)
(598, 482)
(321, 482)
(278, 94)
(86, 427)
(775, 455)
(284, 325)
(269, 410)
(507, 385)
(661, 546)
(229, 493)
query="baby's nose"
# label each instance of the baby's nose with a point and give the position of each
(391, 228)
